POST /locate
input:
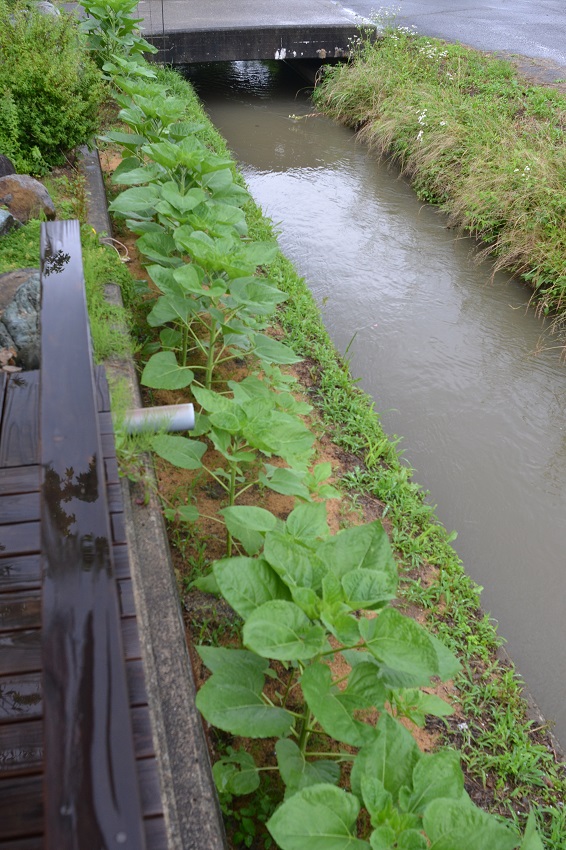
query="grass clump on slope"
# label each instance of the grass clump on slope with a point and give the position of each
(475, 138)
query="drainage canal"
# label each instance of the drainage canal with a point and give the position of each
(455, 362)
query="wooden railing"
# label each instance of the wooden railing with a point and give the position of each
(91, 791)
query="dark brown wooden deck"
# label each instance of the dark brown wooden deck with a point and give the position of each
(22, 726)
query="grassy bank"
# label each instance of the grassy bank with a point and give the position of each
(476, 139)
(510, 765)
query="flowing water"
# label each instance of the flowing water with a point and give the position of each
(454, 360)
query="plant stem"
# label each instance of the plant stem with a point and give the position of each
(305, 730)
(210, 357)
(184, 345)
(231, 499)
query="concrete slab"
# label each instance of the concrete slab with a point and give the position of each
(188, 31)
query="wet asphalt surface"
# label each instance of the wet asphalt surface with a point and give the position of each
(530, 28)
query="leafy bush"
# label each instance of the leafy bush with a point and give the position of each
(50, 89)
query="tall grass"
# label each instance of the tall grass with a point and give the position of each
(474, 138)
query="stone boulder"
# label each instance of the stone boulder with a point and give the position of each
(19, 324)
(6, 166)
(7, 222)
(46, 8)
(25, 197)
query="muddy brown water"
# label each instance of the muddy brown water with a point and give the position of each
(455, 361)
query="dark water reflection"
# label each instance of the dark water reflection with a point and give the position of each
(456, 363)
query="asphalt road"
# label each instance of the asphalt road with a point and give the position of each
(532, 28)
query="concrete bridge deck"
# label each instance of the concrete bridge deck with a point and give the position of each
(187, 31)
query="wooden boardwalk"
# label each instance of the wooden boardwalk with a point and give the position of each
(65, 779)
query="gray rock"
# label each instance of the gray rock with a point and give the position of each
(6, 166)
(46, 8)
(21, 320)
(25, 197)
(8, 222)
(6, 340)
(10, 282)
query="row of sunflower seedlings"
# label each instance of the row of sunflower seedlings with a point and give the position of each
(306, 597)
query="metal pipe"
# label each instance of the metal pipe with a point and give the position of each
(173, 417)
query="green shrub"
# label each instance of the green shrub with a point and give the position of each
(50, 90)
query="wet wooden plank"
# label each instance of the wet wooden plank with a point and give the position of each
(20, 479)
(19, 539)
(142, 731)
(20, 573)
(20, 610)
(28, 843)
(105, 423)
(23, 507)
(20, 652)
(136, 682)
(118, 528)
(121, 561)
(90, 786)
(111, 471)
(150, 788)
(115, 502)
(20, 697)
(21, 810)
(21, 748)
(108, 445)
(156, 834)
(102, 390)
(19, 438)
(131, 638)
(20, 693)
(126, 595)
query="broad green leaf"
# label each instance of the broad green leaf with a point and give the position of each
(366, 686)
(448, 664)
(308, 521)
(369, 588)
(273, 351)
(239, 709)
(139, 199)
(297, 565)
(307, 600)
(130, 173)
(343, 625)
(454, 825)
(234, 665)
(333, 708)
(400, 643)
(298, 773)
(164, 373)
(169, 308)
(159, 247)
(211, 401)
(390, 758)
(249, 525)
(382, 838)
(247, 583)
(416, 704)
(280, 630)
(321, 817)
(189, 279)
(207, 584)
(236, 773)
(185, 513)
(183, 202)
(435, 775)
(180, 451)
(288, 482)
(531, 839)
(363, 547)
